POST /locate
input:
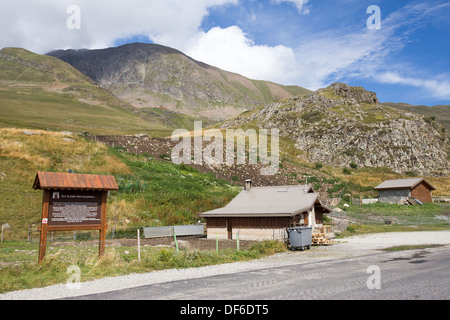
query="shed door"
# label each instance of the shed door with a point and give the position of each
(230, 229)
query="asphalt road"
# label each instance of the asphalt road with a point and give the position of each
(413, 274)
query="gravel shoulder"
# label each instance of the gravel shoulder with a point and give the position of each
(344, 248)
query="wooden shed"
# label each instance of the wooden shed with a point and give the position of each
(264, 213)
(392, 191)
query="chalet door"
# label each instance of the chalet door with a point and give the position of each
(230, 229)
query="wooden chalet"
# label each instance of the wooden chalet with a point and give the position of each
(264, 213)
(394, 191)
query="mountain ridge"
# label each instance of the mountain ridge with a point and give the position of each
(151, 75)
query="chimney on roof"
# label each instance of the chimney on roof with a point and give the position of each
(248, 184)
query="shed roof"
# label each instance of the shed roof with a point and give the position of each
(74, 181)
(403, 184)
(268, 201)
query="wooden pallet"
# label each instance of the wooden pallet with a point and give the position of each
(321, 239)
(323, 242)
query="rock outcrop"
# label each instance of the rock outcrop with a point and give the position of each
(340, 125)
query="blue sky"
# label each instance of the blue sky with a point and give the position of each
(310, 43)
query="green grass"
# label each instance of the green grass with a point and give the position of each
(40, 92)
(412, 247)
(151, 192)
(392, 210)
(174, 119)
(359, 229)
(40, 109)
(20, 205)
(371, 218)
(20, 270)
(158, 192)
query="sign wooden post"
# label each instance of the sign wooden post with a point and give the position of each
(73, 202)
(44, 226)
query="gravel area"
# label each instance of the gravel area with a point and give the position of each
(344, 248)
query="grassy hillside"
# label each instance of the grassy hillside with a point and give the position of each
(152, 192)
(38, 91)
(440, 114)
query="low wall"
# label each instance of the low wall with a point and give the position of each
(186, 230)
(247, 234)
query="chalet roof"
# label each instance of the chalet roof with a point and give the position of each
(269, 201)
(403, 184)
(74, 181)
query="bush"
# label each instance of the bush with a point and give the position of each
(353, 165)
(312, 116)
(346, 171)
(336, 188)
(411, 173)
(352, 228)
(268, 247)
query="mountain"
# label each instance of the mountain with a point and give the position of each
(342, 125)
(39, 91)
(439, 113)
(150, 75)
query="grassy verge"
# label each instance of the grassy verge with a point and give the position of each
(412, 247)
(392, 210)
(384, 217)
(19, 269)
(358, 229)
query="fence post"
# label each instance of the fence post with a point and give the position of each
(139, 244)
(176, 242)
(237, 241)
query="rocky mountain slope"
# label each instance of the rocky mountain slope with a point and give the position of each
(342, 125)
(150, 75)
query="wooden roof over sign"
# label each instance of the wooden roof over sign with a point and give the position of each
(74, 181)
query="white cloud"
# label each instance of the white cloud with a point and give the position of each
(342, 54)
(40, 26)
(438, 88)
(230, 49)
(299, 4)
(329, 57)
